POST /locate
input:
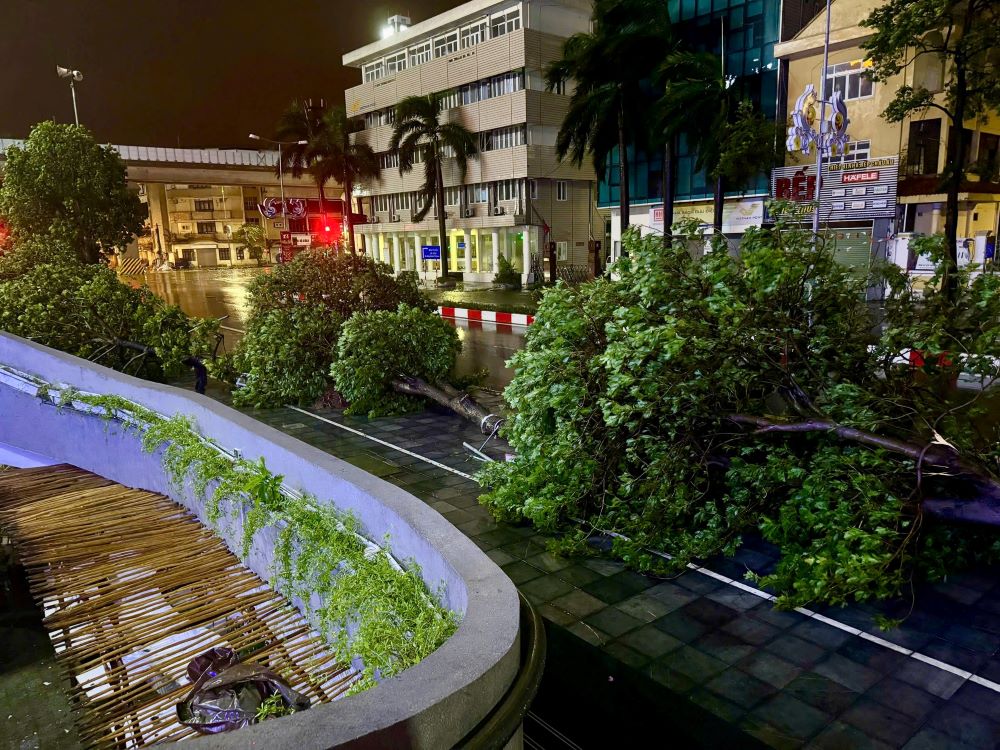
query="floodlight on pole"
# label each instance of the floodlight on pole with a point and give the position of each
(73, 76)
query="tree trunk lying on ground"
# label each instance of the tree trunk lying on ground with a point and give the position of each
(977, 494)
(461, 403)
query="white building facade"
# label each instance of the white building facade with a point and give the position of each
(489, 59)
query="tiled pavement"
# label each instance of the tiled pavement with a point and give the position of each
(782, 677)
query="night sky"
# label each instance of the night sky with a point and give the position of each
(194, 73)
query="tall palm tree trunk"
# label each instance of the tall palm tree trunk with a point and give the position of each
(623, 191)
(667, 189)
(348, 214)
(442, 230)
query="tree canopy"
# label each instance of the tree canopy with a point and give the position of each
(961, 36)
(65, 187)
(695, 400)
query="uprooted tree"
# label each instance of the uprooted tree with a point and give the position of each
(296, 313)
(697, 399)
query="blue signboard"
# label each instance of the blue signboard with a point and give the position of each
(461, 246)
(430, 252)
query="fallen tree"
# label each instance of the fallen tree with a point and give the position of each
(694, 400)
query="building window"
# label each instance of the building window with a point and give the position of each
(206, 227)
(203, 205)
(451, 99)
(562, 250)
(923, 147)
(470, 93)
(559, 87)
(380, 117)
(509, 137)
(395, 63)
(389, 160)
(533, 189)
(476, 193)
(508, 190)
(420, 53)
(856, 151)
(249, 204)
(562, 190)
(373, 71)
(240, 253)
(445, 45)
(475, 33)
(255, 220)
(187, 254)
(224, 253)
(850, 79)
(506, 22)
(298, 225)
(452, 196)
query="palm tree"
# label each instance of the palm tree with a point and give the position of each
(610, 67)
(328, 152)
(734, 143)
(420, 135)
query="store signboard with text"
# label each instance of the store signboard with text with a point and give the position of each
(737, 216)
(850, 190)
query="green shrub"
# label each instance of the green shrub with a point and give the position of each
(506, 274)
(628, 394)
(376, 348)
(286, 354)
(87, 311)
(295, 317)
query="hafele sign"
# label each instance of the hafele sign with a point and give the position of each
(849, 190)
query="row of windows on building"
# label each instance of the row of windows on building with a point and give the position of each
(477, 91)
(489, 140)
(469, 195)
(463, 37)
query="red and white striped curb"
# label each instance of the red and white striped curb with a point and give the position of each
(517, 319)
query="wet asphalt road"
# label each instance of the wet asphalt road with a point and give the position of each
(222, 292)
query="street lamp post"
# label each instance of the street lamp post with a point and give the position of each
(72, 75)
(281, 179)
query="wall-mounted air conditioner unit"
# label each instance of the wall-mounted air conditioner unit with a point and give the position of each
(469, 212)
(499, 210)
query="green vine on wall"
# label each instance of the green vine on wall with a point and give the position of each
(368, 607)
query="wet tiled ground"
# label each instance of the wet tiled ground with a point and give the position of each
(784, 678)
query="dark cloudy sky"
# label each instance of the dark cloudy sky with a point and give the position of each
(197, 72)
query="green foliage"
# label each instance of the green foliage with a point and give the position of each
(251, 238)
(376, 348)
(506, 274)
(627, 395)
(286, 353)
(26, 253)
(273, 707)
(296, 312)
(88, 312)
(369, 608)
(65, 187)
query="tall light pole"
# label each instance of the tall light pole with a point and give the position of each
(72, 75)
(281, 178)
(823, 98)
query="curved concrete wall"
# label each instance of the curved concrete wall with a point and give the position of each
(431, 705)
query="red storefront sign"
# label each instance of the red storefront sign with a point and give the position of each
(798, 187)
(849, 177)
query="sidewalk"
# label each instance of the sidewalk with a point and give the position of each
(702, 645)
(495, 300)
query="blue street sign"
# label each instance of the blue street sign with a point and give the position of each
(430, 252)
(461, 246)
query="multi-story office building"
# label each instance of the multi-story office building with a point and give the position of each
(889, 181)
(746, 31)
(489, 57)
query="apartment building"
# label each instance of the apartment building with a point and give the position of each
(489, 58)
(888, 184)
(195, 223)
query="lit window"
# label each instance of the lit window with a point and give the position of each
(851, 79)
(562, 190)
